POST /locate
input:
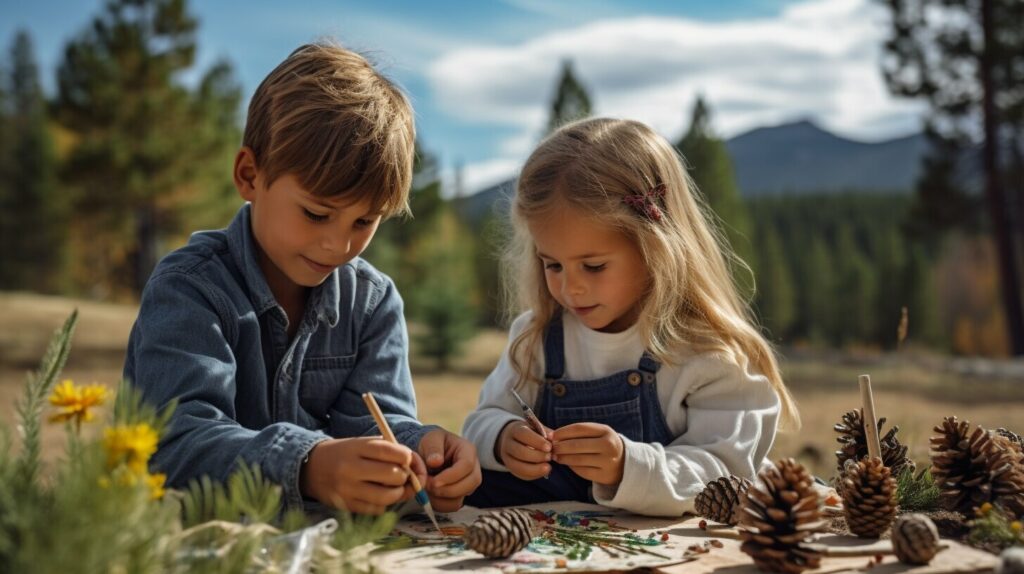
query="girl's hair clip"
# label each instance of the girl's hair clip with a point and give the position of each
(646, 203)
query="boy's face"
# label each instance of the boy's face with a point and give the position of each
(593, 271)
(303, 238)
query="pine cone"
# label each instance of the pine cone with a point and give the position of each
(1014, 437)
(780, 512)
(500, 534)
(721, 499)
(971, 470)
(869, 497)
(915, 540)
(855, 445)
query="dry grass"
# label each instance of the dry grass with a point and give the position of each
(914, 390)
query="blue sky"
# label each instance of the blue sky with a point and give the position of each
(481, 74)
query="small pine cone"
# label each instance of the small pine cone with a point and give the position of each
(780, 512)
(972, 468)
(855, 445)
(869, 497)
(1011, 561)
(915, 539)
(721, 499)
(500, 534)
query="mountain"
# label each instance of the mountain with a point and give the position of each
(803, 158)
(793, 158)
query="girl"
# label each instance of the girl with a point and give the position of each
(635, 350)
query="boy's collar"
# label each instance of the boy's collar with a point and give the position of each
(324, 298)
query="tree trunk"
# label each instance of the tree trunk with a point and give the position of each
(997, 205)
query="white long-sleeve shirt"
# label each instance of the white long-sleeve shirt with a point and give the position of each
(723, 418)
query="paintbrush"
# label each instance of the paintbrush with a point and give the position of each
(382, 423)
(531, 418)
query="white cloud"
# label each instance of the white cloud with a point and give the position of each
(817, 59)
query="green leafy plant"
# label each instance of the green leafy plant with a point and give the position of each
(993, 527)
(917, 492)
(100, 509)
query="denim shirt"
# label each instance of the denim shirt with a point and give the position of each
(211, 335)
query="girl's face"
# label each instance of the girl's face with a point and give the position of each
(594, 271)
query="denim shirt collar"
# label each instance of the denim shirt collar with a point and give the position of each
(324, 299)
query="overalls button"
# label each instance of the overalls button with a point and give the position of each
(558, 389)
(634, 378)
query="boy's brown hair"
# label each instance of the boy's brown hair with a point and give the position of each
(327, 117)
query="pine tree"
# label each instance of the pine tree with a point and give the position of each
(711, 169)
(966, 59)
(776, 303)
(922, 299)
(33, 227)
(445, 301)
(6, 162)
(144, 142)
(892, 293)
(571, 101)
(817, 291)
(853, 312)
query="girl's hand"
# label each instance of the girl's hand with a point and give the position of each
(363, 475)
(524, 452)
(454, 460)
(593, 451)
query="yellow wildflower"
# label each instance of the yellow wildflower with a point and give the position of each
(75, 403)
(131, 445)
(1015, 526)
(985, 508)
(156, 485)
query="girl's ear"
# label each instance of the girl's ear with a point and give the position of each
(245, 173)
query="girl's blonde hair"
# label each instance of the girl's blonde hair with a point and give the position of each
(692, 300)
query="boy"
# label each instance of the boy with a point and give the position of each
(268, 332)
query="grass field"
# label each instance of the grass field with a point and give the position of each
(914, 390)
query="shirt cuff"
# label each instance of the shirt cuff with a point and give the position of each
(637, 468)
(488, 439)
(285, 455)
(411, 434)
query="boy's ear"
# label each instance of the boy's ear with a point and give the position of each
(245, 173)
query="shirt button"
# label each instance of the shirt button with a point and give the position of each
(634, 378)
(558, 389)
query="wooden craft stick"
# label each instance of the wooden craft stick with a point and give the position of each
(870, 422)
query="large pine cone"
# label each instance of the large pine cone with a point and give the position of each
(869, 497)
(972, 468)
(1015, 439)
(855, 445)
(780, 512)
(915, 539)
(721, 499)
(500, 534)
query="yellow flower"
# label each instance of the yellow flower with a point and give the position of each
(985, 508)
(156, 485)
(76, 402)
(1015, 526)
(131, 445)
(125, 477)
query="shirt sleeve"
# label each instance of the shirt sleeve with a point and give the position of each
(382, 368)
(180, 350)
(496, 406)
(732, 416)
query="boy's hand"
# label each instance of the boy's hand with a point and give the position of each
(363, 475)
(524, 452)
(455, 458)
(593, 451)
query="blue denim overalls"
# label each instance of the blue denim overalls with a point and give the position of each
(627, 401)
